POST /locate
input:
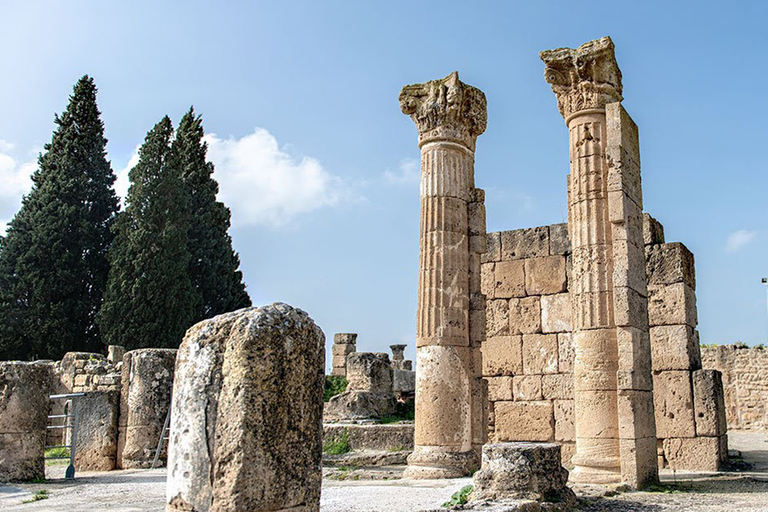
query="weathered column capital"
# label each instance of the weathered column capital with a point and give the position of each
(446, 110)
(586, 78)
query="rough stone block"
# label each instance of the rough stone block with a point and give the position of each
(675, 347)
(544, 276)
(525, 243)
(630, 308)
(653, 231)
(97, 413)
(636, 417)
(525, 315)
(369, 392)
(708, 403)
(693, 453)
(673, 403)
(629, 267)
(503, 355)
(345, 338)
(249, 386)
(672, 304)
(500, 388)
(527, 387)
(565, 352)
(540, 353)
(669, 264)
(115, 353)
(557, 386)
(510, 279)
(24, 390)
(497, 318)
(522, 471)
(524, 421)
(403, 381)
(559, 243)
(492, 248)
(342, 350)
(639, 463)
(488, 280)
(388, 437)
(567, 451)
(368, 371)
(556, 313)
(564, 430)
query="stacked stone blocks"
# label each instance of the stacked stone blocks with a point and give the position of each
(343, 345)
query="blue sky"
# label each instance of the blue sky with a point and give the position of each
(320, 167)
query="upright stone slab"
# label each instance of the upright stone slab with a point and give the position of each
(615, 433)
(450, 393)
(24, 390)
(147, 378)
(246, 430)
(97, 416)
(369, 393)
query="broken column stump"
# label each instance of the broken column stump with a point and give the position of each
(246, 421)
(97, 413)
(369, 390)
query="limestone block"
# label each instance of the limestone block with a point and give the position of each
(636, 417)
(359, 405)
(527, 387)
(653, 231)
(621, 131)
(567, 451)
(693, 453)
(557, 386)
(97, 413)
(530, 471)
(630, 308)
(403, 381)
(510, 279)
(669, 264)
(24, 390)
(672, 304)
(559, 243)
(596, 415)
(524, 421)
(565, 352)
(368, 371)
(675, 347)
(493, 248)
(393, 436)
(499, 388)
(503, 355)
(564, 430)
(144, 401)
(544, 276)
(525, 243)
(525, 315)
(369, 392)
(497, 318)
(639, 462)
(488, 280)
(629, 266)
(634, 350)
(556, 313)
(673, 404)
(341, 351)
(249, 387)
(345, 338)
(708, 403)
(115, 353)
(478, 322)
(82, 381)
(339, 371)
(540, 353)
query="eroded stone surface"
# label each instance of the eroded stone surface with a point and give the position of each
(97, 414)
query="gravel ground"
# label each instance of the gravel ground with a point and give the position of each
(143, 490)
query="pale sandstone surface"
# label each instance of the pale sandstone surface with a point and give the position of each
(97, 416)
(369, 393)
(248, 391)
(24, 390)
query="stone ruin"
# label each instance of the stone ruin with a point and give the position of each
(343, 345)
(369, 394)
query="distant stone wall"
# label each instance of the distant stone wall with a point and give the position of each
(745, 383)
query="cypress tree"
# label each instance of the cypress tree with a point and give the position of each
(213, 266)
(149, 300)
(53, 265)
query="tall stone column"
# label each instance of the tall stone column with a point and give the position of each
(449, 116)
(615, 432)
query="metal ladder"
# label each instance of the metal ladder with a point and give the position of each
(165, 436)
(73, 398)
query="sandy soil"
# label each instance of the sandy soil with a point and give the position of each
(143, 490)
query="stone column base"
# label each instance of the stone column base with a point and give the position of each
(594, 475)
(427, 465)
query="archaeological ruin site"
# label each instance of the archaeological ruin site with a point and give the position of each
(554, 368)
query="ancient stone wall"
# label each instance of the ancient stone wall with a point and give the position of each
(745, 383)
(344, 343)
(80, 372)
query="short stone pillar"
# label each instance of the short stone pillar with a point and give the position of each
(246, 426)
(613, 401)
(344, 343)
(97, 413)
(115, 353)
(450, 424)
(24, 390)
(522, 471)
(398, 358)
(369, 389)
(145, 398)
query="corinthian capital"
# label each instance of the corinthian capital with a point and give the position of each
(446, 109)
(585, 78)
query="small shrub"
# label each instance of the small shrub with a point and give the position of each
(39, 495)
(460, 497)
(56, 452)
(334, 385)
(403, 412)
(337, 446)
(740, 344)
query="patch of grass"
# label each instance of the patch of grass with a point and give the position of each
(337, 446)
(403, 412)
(56, 452)
(395, 449)
(334, 385)
(38, 496)
(460, 497)
(740, 344)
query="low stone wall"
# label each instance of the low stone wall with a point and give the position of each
(393, 437)
(745, 383)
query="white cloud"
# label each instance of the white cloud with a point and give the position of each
(122, 182)
(16, 180)
(408, 173)
(739, 239)
(264, 185)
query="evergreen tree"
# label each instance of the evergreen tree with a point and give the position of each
(149, 300)
(213, 267)
(53, 265)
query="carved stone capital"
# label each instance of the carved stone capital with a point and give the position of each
(585, 78)
(446, 109)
